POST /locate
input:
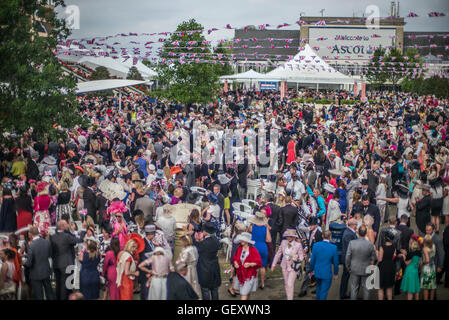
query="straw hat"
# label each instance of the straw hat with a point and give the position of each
(259, 219)
(240, 226)
(329, 188)
(49, 160)
(290, 233)
(244, 236)
(335, 172)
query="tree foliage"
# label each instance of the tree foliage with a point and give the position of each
(100, 73)
(34, 91)
(186, 79)
(374, 74)
(134, 74)
(431, 86)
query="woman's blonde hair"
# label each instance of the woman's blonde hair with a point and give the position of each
(414, 245)
(178, 192)
(64, 186)
(139, 186)
(89, 222)
(368, 221)
(92, 249)
(186, 240)
(428, 242)
(129, 245)
(140, 220)
(356, 197)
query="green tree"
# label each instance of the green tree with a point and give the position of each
(134, 74)
(375, 73)
(34, 91)
(187, 80)
(100, 73)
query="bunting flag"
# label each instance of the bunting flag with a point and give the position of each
(436, 14)
(412, 15)
(320, 23)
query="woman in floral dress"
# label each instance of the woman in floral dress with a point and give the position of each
(428, 271)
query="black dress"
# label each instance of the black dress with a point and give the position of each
(387, 268)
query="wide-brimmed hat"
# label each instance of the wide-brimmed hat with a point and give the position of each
(175, 170)
(439, 159)
(244, 236)
(423, 187)
(335, 172)
(122, 166)
(139, 240)
(93, 239)
(240, 226)
(167, 209)
(157, 249)
(49, 160)
(433, 123)
(259, 219)
(82, 140)
(290, 233)
(329, 188)
(41, 186)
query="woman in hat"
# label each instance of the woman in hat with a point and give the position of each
(41, 205)
(189, 256)
(401, 199)
(292, 252)
(261, 236)
(387, 269)
(110, 269)
(291, 154)
(89, 274)
(177, 194)
(410, 281)
(161, 266)
(246, 261)
(120, 228)
(194, 224)
(126, 270)
(167, 223)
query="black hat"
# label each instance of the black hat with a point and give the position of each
(313, 221)
(389, 236)
(365, 182)
(209, 227)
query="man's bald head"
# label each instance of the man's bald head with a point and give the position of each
(61, 225)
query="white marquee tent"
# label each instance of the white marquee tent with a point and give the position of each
(307, 67)
(116, 67)
(248, 75)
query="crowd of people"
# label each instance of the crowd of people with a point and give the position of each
(94, 214)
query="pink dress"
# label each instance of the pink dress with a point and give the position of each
(110, 271)
(41, 214)
(291, 156)
(122, 234)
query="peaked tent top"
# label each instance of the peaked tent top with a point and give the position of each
(248, 75)
(100, 85)
(308, 67)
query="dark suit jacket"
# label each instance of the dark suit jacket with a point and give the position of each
(38, 254)
(373, 211)
(423, 213)
(290, 217)
(275, 218)
(406, 234)
(397, 237)
(178, 288)
(348, 235)
(90, 203)
(62, 245)
(142, 257)
(439, 254)
(208, 267)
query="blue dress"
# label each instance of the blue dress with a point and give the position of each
(343, 201)
(90, 277)
(259, 234)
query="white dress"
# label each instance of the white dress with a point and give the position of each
(402, 207)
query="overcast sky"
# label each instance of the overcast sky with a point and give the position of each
(108, 17)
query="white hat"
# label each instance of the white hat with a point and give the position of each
(152, 167)
(244, 236)
(82, 140)
(157, 249)
(330, 188)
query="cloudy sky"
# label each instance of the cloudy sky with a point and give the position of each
(109, 17)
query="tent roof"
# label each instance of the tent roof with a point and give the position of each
(100, 85)
(308, 67)
(117, 67)
(248, 75)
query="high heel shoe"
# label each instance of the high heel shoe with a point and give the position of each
(261, 287)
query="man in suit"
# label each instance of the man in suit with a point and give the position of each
(274, 220)
(314, 236)
(150, 232)
(289, 214)
(359, 256)
(62, 244)
(396, 232)
(208, 268)
(178, 288)
(405, 236)
(90, 198)
(439, 255)
(324, 255)
(446, 255)
(348, 235)
(406, 232)
(38, 255)
(373, 211)
(423, 209)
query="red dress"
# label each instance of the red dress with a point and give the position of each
(110, 271)
(127, 286)
(244, 274)
(41, 214)
(291, 155)
(24, 218)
